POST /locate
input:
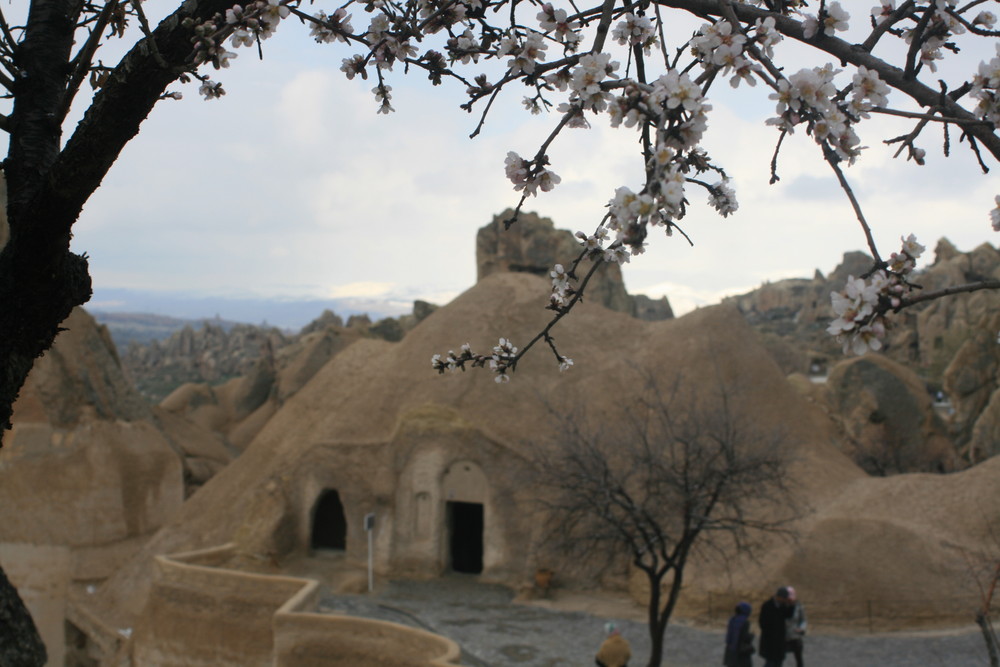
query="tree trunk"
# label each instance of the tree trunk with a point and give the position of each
(20, 643)
(983, 621)
(41, 281)
(657, 624)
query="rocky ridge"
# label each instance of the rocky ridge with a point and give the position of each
(215, 354)
(929, 403)
(950, 344)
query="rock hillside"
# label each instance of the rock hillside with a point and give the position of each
(365, 418)
(88, 463)
(950, 343)
(233, 381)
(534, 245)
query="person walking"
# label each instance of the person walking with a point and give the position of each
(772, 620)
(739, 638)
(795, 627)
(615, 651)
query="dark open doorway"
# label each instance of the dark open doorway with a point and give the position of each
(329, 526)
(465, 536)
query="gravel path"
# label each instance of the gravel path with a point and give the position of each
(494, 631)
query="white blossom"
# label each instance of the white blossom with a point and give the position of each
(526, 53)
(766, 35)
(585, 80)
(211, 90)
(272, 11)
(836, 19)
(635, 31)
(985, 19)
(331, 29)
(884, 10)
(556, 22)
(853, 304)
(723, 198)
(618, 254)
(382, 96)
(867, 85)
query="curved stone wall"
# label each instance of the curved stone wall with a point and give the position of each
(200, 612)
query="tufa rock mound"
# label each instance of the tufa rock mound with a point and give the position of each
(888, 418)
(533, 245)
(88, 464)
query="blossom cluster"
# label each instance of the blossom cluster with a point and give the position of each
(501, 361)
(556, 23)
(832, 18)
(862, 305)
(809, 96)
(244, 25)
(562, 290)
(721, 46)
(635, 30)
(530, 175)
(986, 89)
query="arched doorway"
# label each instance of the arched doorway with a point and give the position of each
(329, 525)
(465, 531)
(466, 492)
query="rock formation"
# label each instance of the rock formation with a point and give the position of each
(210, 354)
(79, 411)
(533, 245)
(888, 419)
(950, 343)
(237, 409)
(355, 411)
(237, 380)
(388, 436)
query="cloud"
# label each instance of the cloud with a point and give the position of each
(293, 183)
(363, 289)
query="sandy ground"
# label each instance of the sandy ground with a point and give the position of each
(494, 630)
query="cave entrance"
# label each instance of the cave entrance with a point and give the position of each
(465, 536)
(329, 525)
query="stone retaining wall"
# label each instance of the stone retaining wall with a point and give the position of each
(201, 613)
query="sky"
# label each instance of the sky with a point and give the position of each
(292, 187)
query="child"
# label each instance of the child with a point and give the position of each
(739, 639)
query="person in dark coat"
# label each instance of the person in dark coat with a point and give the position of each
(739, 639)
(772, 620)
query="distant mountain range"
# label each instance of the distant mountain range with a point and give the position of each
(129, 314)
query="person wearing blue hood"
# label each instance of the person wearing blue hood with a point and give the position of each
(739, 638)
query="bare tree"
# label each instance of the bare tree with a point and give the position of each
(684, 473)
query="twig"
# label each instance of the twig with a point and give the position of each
(833, 160)
(948, 291)
(602, 27)
(931, 117)
(81, 64)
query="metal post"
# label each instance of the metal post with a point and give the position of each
(370, 529)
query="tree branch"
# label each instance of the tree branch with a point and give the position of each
(85, 57)
(853, 54)
(832, 159)
(948, 291)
